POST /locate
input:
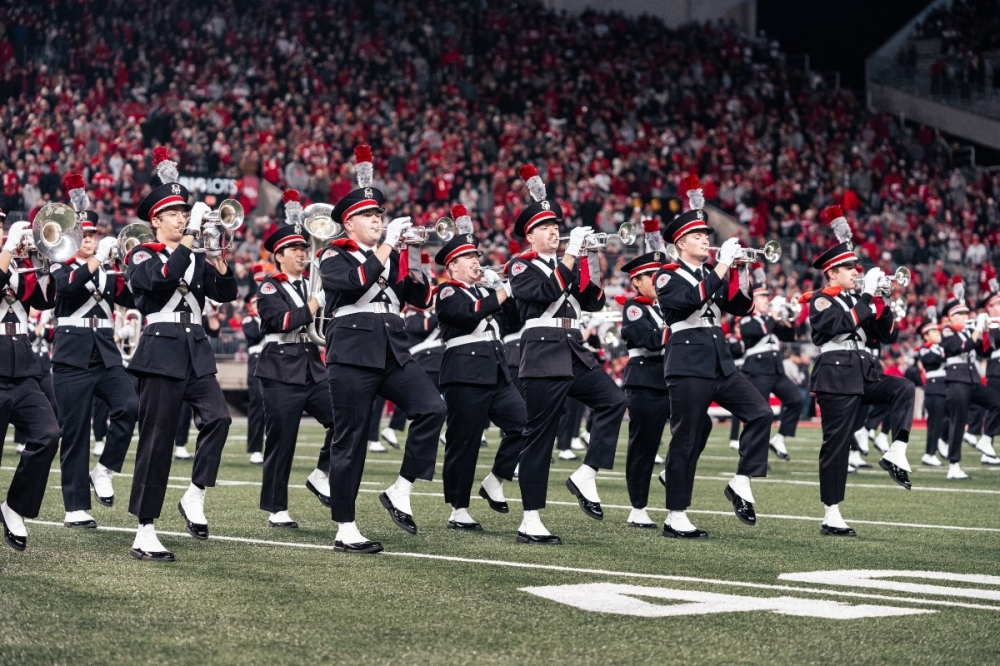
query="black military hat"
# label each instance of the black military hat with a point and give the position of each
(88, 220)
(541, 210)
(686, 223)
(955, 306)
(456, 247)
(167, 192)
(926, 325)
(843, 251)
(645, 263)
(285, 236)
(365, 197)
(991, 292)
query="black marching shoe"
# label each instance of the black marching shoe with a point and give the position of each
(897, 474)
(539, 539)
(826, 530)
(403, 521)
(159, 556)
(592, 509)
(199, 532)
(499, 507)
(105, 501)
(671, 533)
(83, 524)
(290, 524)
(363, 547)
(467, 527)
(643, 526)
(784, 456)
(18, 543)
(323, 499)
(742, 508)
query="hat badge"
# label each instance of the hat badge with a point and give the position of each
(81, 216)
(546, 205)
(701, 215)
(175, 189)
(368, 193)
(298, 229)
(468, 238)
(656, 256)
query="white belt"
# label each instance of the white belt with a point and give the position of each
(425, 345)
(957, 360)
(995, 355)
(761, 349)
(642, 351)
(86, 322)
(285, 338)
(13, 328)
(701, 322)
(174, 318)
(935, 374)
(551, 322)
(846, 345)
(376, 308)
(513, 337)
(256, 349)
(485, 336)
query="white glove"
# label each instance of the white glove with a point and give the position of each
(18, 230)
(396, 229)
(872, 278)
(320, 297)
(104, 249)
(198, 213)
(728, 251)
(505, 285)
(577, 237)
(491, 279)
(982, 321)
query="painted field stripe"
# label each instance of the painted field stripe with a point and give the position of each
(564, 569)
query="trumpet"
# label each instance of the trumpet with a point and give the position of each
(318, 221)
(444, 229)
(770, 253)
(599, 240)
(900, 277)
(56, 236)
(229, 217)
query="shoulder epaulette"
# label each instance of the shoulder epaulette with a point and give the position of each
(643, 300)
(279, 277)
(831, 291)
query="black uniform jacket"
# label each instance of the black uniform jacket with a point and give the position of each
(762, 352)
(992, 347)
(839, 316)
(362, 339)
(644, 330)
(21, 293)
(74, 344)
(296, 360)
(699, 351)
(420, 325)
(959, 344)
(253, 334)
(932, 359)
(548, 351)
(461, 309)
(154, 275)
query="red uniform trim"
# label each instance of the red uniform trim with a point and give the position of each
(461, 249)
(840, 258)
(655, 266)
(172, 200)
(288, 240)
(689, 227)
(360, 206)
(537, 219)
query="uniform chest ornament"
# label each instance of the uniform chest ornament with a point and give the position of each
(634, 313)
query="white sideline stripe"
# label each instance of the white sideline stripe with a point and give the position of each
(577, 570)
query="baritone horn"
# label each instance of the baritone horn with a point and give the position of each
(56, 235)
(131, 237)
(599, 240)
(318, 220)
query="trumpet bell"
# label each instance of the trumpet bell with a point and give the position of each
(56, 233)
(445, 229)
(902, 276)
(772, 251)
(318, 221)
(627, 233)
(231, 214)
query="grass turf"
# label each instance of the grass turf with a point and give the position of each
(77, 597)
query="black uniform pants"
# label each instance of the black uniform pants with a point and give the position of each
(543, 399)
(378, 406)
(838, 420)
(690, 398)
(788, 393)
(398, 419)
(648, 413)
(255, 408)
(936, 421)
(23, 404)
(977, 415)
(99, 415)
(878, 415)
(470, 408)
(353, 389)
(569, 423)
(75, 390)
(958, 397)
(160, 401)
(283, 407)
(183, 427)
(45, 383)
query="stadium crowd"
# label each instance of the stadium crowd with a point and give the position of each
(969, 57)
(454, 97)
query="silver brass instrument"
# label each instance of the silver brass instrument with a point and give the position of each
(898, 307)
(128, 329)
(900, 277)
(444, 229)
(599, 240)
(770, 253)
(55, 237)
(131, 237)
(228, 217)
(318, 220)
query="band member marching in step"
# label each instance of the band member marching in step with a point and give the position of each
(366, 281)
(474, 376)
(174, 359)
(991, 345)
(22, 402)
(551, 296)
(931, 357)
(251, 326)
(86, 362)
(845, 377)
(699, 366)
(290, 369)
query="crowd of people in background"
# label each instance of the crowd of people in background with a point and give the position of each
(454, 97)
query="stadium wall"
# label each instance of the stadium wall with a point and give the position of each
(673, 12)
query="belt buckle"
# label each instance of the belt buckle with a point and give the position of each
(10, 328)
(92, 322)
(564, 322)
(489, 335)
(380, 308)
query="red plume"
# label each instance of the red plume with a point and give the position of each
(956, 279)
(458, 211)
(160, 154)
(363, 153)
(528, 171)
(290, 195)
(650, 226)
(931, 301)
(73, 181)
(830, 214)
(690, 183)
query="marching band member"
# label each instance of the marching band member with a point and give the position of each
(991, 343)
(551, 296)
(41, 331)
(699, 367)
(963, 383)
(645, 334)
(86, 362)
(845, 378)
(290, 369)
(474, 376)
(366, 281)
(174, 359)
(251, 326)
(22, 402)
(931, 358)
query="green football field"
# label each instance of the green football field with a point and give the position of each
(920, 584)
